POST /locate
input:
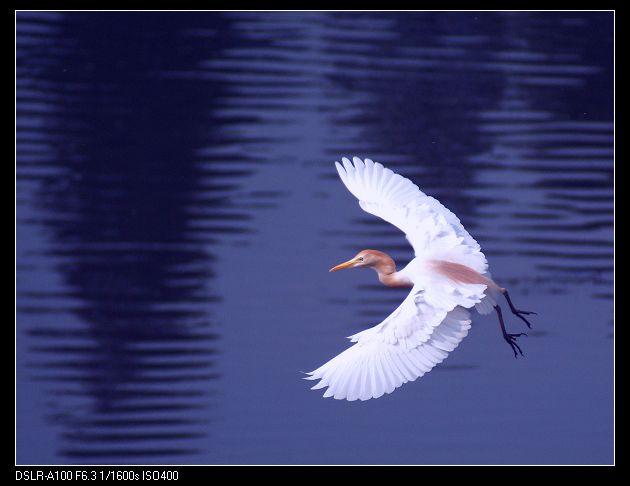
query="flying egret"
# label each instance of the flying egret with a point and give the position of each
(448, 276)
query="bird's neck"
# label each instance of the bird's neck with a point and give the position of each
(387, 274)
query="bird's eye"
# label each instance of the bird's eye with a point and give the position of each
(360, 259)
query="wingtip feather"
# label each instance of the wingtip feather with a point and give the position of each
(358, 163)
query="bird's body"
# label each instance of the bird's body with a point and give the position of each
(448, 276)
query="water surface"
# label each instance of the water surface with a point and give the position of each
(177, 211)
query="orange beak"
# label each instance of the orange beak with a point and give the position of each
(343, 265)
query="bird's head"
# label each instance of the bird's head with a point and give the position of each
(365, 258)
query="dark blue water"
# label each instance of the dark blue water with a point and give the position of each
(178, 209)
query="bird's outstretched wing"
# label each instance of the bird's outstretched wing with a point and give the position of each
(405, 346)
(432, 230)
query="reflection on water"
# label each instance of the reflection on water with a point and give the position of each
(176, 204)
(131, 373)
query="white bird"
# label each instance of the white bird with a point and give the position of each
(448, 276)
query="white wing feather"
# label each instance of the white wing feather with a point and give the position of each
(433, 319)
(433, 230)
(405, 346)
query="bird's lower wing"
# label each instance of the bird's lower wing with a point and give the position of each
(408, 344)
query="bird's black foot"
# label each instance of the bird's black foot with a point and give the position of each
(516, 312)
(511, 340)
(521, 313)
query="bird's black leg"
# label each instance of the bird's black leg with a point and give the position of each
(515, 311)
(509, 338)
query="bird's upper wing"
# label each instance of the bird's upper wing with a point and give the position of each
(432, 230)
(405, 346)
